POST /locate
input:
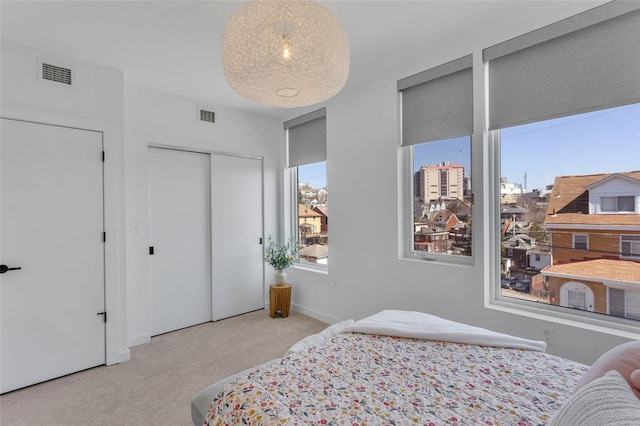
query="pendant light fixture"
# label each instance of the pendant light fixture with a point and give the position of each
(285, 53)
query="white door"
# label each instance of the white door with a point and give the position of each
(238, 278)
(51, 226)
(179, 232)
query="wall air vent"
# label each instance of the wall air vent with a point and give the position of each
(56, 74)
(208, 116)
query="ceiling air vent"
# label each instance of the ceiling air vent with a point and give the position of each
(208, 116)
(56, 74)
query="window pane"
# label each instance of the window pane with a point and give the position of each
(609, 204)
(625, 204)
(313, 213)
(442, 197)
(560, 209)
(577, 300)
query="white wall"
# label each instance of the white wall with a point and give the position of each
(363, 161)
(153, 118)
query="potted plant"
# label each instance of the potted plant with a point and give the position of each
(280, 258)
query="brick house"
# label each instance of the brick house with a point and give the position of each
(594, 226)
(429, 239)
(603, 285)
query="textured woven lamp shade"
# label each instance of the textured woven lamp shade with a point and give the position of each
(285, 53)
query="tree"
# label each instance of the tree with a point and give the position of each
(534, 212)
(540, 233)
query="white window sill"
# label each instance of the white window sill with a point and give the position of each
(614, 326)
(440, 259)
(311, 267)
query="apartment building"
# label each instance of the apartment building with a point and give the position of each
(443, 180)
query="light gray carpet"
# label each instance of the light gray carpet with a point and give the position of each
(157, 385)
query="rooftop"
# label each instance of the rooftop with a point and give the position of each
(569, 202)
(605, 270)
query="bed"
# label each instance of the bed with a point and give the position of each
(397, 368)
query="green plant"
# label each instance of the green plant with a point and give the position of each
(281, 257)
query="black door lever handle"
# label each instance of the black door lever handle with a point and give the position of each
(5, 268)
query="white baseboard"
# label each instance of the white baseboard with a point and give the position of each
(139, 340)
(124, 356)
(330, 319)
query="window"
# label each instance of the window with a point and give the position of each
(546, 112)
(577, 299)
(561, 207)
(630, 246)
(437, 122)
(624, 204)
(307, 161)
(580, 242)
(576, 295)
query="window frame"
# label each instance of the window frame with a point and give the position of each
(611, 325)
(573, 241)
(631, 239)
(318, 138)
(617, 209)
(292, 229)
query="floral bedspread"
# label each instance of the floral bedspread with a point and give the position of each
(361, 379)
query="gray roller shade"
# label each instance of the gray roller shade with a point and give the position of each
(307, 138)
(587, 62)
(438, 103)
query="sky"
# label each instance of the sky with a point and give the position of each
(315, 174)
(456, 150)
(604, 141)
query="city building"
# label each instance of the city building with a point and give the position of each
(440, 181)
(510, 192)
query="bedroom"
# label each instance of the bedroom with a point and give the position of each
(362, 123)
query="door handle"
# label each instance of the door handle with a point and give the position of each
(5, 268)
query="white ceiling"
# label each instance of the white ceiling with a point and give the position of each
(174, 46)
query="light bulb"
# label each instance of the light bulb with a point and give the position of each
(286, 48)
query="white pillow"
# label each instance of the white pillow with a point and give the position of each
(606, 401)
(334, 329)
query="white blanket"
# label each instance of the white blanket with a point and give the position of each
(418, 325)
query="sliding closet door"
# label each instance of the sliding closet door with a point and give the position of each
(179, 234)
(238, 279)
